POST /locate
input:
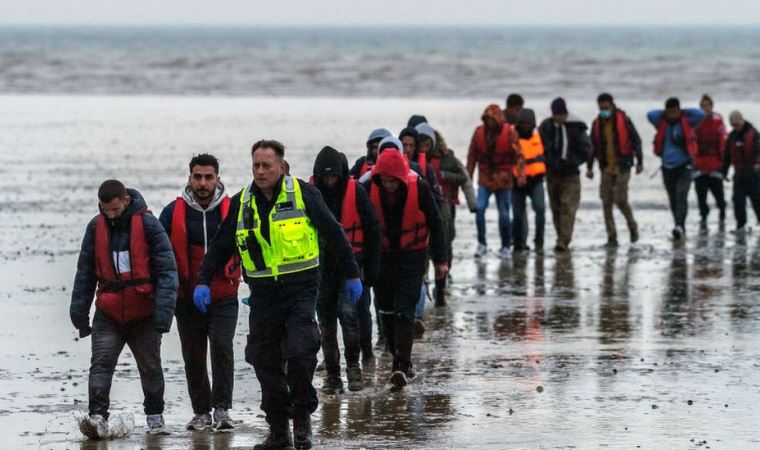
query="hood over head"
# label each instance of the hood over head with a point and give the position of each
(424, 129)
(416, 120)
(390, 164)
(330, 161)
(391, 142)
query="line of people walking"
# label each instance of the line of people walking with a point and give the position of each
(313, 253)
(518, 161)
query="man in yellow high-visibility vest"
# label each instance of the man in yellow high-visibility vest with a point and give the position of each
(274, 224)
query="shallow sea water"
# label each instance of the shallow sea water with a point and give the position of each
(593, 349)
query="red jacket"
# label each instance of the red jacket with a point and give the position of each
(124, 296)
(414, 231)
(690, 141)
(711, 141)
(494, 168)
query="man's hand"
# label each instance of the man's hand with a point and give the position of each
(441, 269)
(590, 174)
(639, 168)
(202, 297)
(354, 291)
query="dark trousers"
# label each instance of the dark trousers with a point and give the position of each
(332, 305)
(746, 185)
(199, 333)
(707, 183)
(282, 347)
(396, 296)
(108, 339)
(677, 183)
(364, 320)
(564, 197)
(533, 190)
(449, 224)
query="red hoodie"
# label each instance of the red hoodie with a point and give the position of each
(711, 141)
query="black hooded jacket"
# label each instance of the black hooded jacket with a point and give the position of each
(331, 161)
(163, 267)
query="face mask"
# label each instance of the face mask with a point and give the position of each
(605, 113)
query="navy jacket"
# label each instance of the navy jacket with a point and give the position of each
(163, 268)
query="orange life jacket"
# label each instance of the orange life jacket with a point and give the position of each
(414, 231)
(125, 296)
(190, 257)
(533, 151)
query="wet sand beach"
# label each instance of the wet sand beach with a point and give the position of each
(653, 345)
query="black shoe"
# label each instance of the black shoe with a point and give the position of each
(634, 236)
(612, 242)
(333, 385)
(355, 382)
(279, 438)
(722, 216)
(302, 432)
(398, 380)
(521, 248)
(440, 297)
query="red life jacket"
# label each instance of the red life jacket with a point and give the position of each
(688, 137)
(422, 161)
(365, 168)
(414, 232)
(744, 156)
(126, 296)
(711, 139)
(504, 155)
(621, 129)
(350, 219)
(189, 258)
(449, 192)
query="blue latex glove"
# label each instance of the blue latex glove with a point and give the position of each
(202, 297)
(246, 301)
(353, 291)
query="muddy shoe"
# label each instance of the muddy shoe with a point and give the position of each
(222, 420)
(156, 424)
(398, 380)
(333, 385)
(199, 422)
(302, 432)
(355, 382)
(94, 427)
(279, 438)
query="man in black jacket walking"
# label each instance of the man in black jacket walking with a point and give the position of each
(276, 226)
(349, 203)
(127, 263)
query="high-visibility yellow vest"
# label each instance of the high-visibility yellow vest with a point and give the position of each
(292, 245)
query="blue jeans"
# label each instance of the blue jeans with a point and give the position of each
(534, 190)
(419, 310)
(503, 200)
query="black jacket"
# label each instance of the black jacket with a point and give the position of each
(163, 268)
(412, 263)
(578, 148)
(330, 161)
(329, 231)
(733, 137)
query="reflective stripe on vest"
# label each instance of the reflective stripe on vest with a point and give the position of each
(414, 231)
(533, 151)
(292, 245)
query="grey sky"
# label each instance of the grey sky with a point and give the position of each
(379, 12)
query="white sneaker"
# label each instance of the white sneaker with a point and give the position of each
(156, 424)
(94, 427)
(481, 250)
(504, 252)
